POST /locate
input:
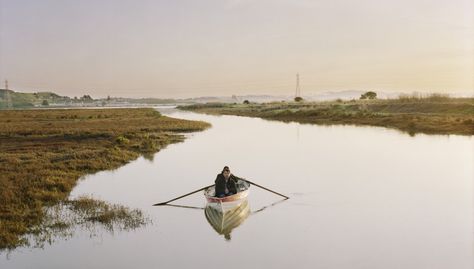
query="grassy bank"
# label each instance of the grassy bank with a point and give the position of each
(430, 115)
(44, 152)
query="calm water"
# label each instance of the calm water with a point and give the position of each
(361, 197)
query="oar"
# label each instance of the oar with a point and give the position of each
(186, 206)
(182, 196)
(286, 197)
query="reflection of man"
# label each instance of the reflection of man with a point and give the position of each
(226, 183)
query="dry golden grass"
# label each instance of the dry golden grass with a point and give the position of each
(44, 152)
(413, 114)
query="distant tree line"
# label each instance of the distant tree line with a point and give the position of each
(85, 98)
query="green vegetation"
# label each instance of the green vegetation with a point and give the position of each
(368, 95)
(10, 99)
(44, 152)
(18, 100)
(434, 114)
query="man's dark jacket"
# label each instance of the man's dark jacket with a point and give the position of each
(221, 183)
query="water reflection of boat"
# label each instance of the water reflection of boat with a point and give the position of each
(225, 218)
(226, 213)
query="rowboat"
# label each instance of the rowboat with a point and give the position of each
(242, 193)
(226, 213)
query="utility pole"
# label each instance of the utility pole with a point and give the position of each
(6, 84)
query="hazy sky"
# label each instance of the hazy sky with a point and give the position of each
(180, 48)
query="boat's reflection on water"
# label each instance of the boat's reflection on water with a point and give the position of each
(224, 217)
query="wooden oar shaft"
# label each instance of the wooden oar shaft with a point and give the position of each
(267, 189)
(182, 196)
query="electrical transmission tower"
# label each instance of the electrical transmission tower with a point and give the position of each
(7, 96)
(298, 89)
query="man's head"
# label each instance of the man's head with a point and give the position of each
(226, 172)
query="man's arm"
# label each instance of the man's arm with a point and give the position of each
(235, 178)
(220, 186)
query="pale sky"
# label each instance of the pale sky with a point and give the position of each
(190, 48)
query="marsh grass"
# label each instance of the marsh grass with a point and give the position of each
(112, 217)
(44, 152)
(431, 114)
(93, 216)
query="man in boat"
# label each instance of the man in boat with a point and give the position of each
(226, 183)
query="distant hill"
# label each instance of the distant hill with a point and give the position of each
(141, 101)
(11, 99)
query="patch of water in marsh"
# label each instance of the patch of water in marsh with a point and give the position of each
(360, 197)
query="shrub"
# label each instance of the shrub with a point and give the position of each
(122, 140)
(368, 95)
